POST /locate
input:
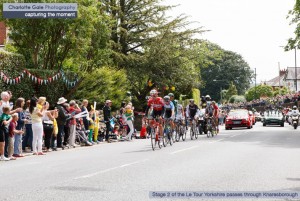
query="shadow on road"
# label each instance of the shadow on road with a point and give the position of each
(77, 188)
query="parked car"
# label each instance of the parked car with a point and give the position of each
(273, 118)
(238, 118)
(252, 116)
(258, 117)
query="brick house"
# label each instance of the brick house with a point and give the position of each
(3, 34)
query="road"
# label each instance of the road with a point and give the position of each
(258, 159)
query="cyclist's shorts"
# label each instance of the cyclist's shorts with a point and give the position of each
(156, 113)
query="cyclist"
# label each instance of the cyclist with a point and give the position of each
(180, 112)
(212, 111)
(191, 110)
(171, 95)
(169, 111)
(157, 104)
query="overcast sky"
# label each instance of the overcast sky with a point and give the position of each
(254, 29)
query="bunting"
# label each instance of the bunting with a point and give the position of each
(38, 80)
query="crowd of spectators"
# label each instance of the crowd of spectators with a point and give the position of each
(30, 126)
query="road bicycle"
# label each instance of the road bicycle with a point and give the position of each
(154, 133)
(180, 130)
(194, 130)
(210, 127)
(168, 133)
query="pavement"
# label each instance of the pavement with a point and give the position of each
(259, 159)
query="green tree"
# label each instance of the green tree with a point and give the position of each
(259, 91)
(102, 84)
(229, 67)
(281, 91)
(48, 43)
(231, 91)
(237, 99)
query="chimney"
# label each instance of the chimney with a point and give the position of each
(282, 72)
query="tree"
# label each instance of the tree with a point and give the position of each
(231, 91)
(294, 14)
(281, 91)
(55, 43)
(102, 84)
(237, 99)
(259, 91)
(228, 67)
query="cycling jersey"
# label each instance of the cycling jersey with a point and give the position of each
(179, 112)
(157, 103)
(169, 108)
(191, 111)
(157, 106)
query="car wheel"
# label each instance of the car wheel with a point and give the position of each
(226, 128)
(264, 124)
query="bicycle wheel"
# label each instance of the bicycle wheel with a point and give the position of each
(165, 137)
(183, 131)
(153, 138)
(196, 131)
(192, 132)
(170, 137)
(177, 133)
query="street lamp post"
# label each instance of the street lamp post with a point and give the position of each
(296, 81)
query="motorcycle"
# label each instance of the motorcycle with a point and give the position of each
(295, 121)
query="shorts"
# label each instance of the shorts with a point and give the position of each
(2, 136)
(156, 113)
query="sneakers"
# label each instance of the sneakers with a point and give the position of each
(3, 158)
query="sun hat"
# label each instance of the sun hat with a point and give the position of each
(61, 100)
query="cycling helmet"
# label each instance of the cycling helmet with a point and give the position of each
(176, 101)
(153, 92)
(192, 100)
(167, 98)
(294, 107)
(171, 94)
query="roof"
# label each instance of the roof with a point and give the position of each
(291, 73)
(277, 81)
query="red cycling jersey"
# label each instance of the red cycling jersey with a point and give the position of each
(156, 103)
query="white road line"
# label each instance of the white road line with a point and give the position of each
(175, 152)
(109, 169)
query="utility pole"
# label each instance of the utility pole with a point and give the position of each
(255, 84)
(296, 69)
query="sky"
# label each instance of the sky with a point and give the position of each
(255, 29)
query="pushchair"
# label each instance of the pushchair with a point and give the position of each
(81, 135)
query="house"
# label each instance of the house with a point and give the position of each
(3, 34)
(286, 78)
(279, 81)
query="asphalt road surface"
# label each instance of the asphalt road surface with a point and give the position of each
(258, 159)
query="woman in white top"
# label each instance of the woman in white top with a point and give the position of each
(37, 127)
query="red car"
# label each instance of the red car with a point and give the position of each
(238, 118)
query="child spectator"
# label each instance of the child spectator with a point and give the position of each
(5, 120)
(20, 125)
(12, 132)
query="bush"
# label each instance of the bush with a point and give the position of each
(237, 99)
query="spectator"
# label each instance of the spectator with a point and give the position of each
(66, 126)
(5, 120)
(27, 140)
(47, 125)
(12, 132)
(20, 125)
(72, 123)
(37, 126)
(107, 117)
(84, 109)
(129, 120)
(61, 121)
